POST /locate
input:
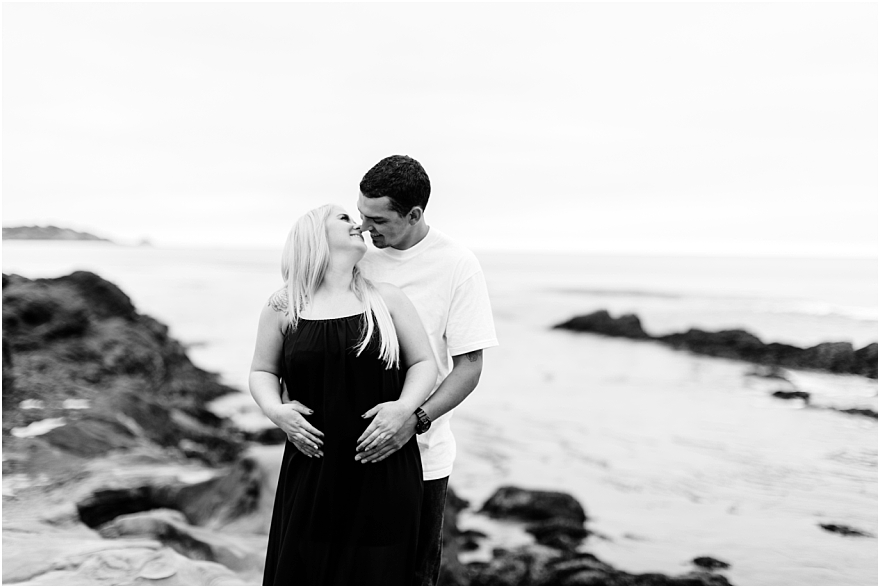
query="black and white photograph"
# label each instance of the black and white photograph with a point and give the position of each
(440, 293)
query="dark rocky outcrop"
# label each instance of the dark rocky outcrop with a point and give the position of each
(536, 565)
(48, 233)
(867, 412)
(844, 530)
(792, 394)
(80, 337)
(218, 500)
(835, 357)
(601, 322)
(533, 505)
(710, 563)
(560, 532)
(557, 521)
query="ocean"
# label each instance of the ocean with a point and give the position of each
(673, 455)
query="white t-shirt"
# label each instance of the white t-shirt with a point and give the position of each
(446, 285)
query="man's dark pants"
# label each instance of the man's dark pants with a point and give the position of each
(430, 546)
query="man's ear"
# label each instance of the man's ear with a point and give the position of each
(415, 215)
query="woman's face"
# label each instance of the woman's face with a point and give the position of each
(343, 233)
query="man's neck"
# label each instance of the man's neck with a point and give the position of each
(420, 231)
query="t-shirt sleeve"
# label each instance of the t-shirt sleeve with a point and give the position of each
(470, 325)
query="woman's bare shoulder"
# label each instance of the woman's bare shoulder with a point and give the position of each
(278, 300)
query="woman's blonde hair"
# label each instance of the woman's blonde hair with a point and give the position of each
(303, 265)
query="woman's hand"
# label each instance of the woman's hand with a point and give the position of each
(289, 418)
(388, 418)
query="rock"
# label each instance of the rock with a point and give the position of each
(835, 357)
(8, 376)
(768, 371)
(171, 529)
(710, 563)
(452, 572)
(268, 436)
(560, 533)
(865, 360)
(71, 559)
(523, 566)
(868, 412)
(534, 505)
(733, 343)
(219, 499)
(790, 395)
(106, 300)
(535, 565)
(79, 336)
(92, 436)
(602, 323)
(844, 530)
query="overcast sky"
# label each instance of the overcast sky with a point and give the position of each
(660, 128)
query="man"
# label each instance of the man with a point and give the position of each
(445, 283)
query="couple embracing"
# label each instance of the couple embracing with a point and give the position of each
(361, 358)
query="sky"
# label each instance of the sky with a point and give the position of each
(681, 128)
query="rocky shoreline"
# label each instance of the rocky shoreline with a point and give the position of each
(116, 473)
(834, 357)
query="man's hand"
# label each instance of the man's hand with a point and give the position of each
(390, 445)
(289, 418)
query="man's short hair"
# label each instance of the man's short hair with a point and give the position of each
(402, 179)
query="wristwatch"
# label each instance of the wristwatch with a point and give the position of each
(423, 423)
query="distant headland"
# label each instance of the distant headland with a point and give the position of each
(49, 233)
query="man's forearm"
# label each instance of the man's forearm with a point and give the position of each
(460, 382)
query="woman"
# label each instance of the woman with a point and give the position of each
(338, 342)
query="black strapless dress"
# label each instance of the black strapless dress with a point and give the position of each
(335, 520)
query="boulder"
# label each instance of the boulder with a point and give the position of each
(560, 532)
(710, 563)
(79, 336)
(867, 412)
(600, 322)
(211, 500)
(866, 361)
(833, 357)
(844, 530)
(534, 505)
(792, 394)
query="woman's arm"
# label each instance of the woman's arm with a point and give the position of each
(265, 385)
(421, 372)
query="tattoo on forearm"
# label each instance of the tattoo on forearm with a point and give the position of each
(474, 355)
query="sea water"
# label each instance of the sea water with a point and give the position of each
(673, 455)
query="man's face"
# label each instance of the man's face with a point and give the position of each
(386, 227)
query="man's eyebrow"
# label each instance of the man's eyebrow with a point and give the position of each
(371, 217)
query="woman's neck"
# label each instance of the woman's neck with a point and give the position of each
(337, 279)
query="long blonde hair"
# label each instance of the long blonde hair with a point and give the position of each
(303, 265)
